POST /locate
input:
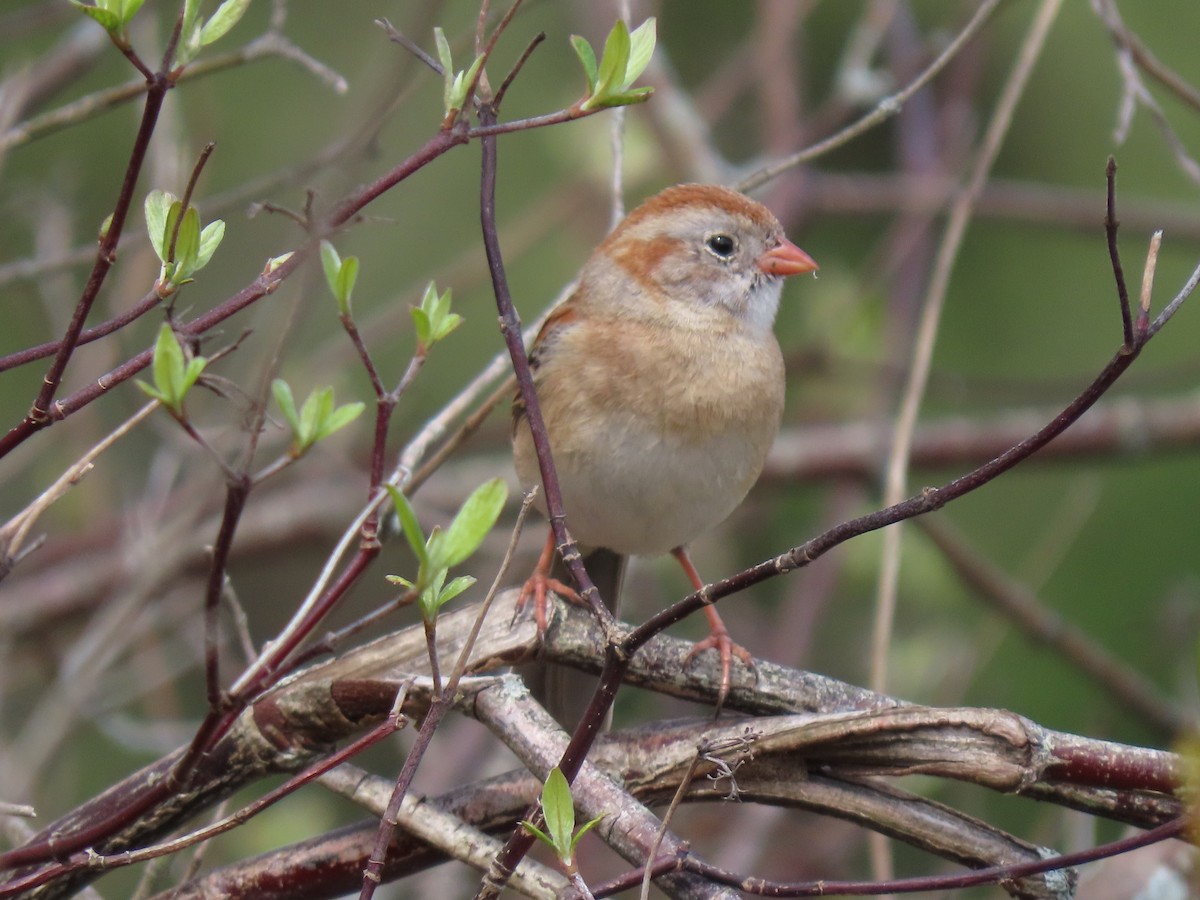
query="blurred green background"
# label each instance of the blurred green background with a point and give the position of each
(1107, 539)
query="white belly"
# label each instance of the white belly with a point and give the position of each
(652, 495)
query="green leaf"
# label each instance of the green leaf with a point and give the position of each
(456, 98)
(454, 588)
(447, 61)
(191, 9)
(276, 261)
(433, 320)
(559, 811)
(108, 19)
(584, 829)
(227, 15)
(173, 214)
(448, 324)
(409, 524)
(316, 407)
(587, 58)
(641, 48)
(332, 264)
(346, 278)
(472, 524)
(174, 374)
(422, 325)
(187, 246)
(168, 363)
(210, 239)
(625, 58)
(428, 600)
(157, 207)
(443, 51)
(340, 275)
(613, 63)
(286, 402)
(339, 418)
(626, 98)
(130, 10)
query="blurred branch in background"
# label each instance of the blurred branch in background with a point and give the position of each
(856, 123)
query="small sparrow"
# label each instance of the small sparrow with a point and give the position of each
(661, 385)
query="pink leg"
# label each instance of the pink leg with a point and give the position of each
(719, 639)
(539, 582)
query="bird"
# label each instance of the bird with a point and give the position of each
(661, 386)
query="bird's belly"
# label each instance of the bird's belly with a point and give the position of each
(643, 493)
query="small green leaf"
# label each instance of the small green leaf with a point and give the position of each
(191, 8)
(190, 374)
(104, 226)
(332, 264)
(587, 58)
(168, 361)
(286, 403)
(641, 48)
(626, 98)
(584, 829)
(187, 246)
(454, 588)
(210, 239)
(625, 58)
(316, 407)
(443, 51)
(433, 320)
(456, 98)
(157, 207)
(227, 15)
(108, 19)
(346, 278)
(276, 261)
(559, 811)
(189, 34)
(317, 418)
(428, 600)
(472, 524)
(614, 61)
(448, 324)
(409, 524)
(340, 275)
(422, 325)
(340, 418)
(174, 374)
(447, 61)
(129, 10)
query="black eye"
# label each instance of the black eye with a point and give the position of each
(722, 245)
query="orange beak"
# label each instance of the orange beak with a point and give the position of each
(786, 259)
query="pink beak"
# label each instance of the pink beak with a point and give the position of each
(786, 259)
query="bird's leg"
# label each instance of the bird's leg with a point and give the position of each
(718, 639)
(539, 582)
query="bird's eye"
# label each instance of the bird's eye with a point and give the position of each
(721, 245)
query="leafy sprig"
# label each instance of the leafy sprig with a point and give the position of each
(454, 84)
(340, 274)
(558, 809)
(443, 550)
(433, 319)
(317, 419)
(625, 58)
(194, 246)
(175, 371)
